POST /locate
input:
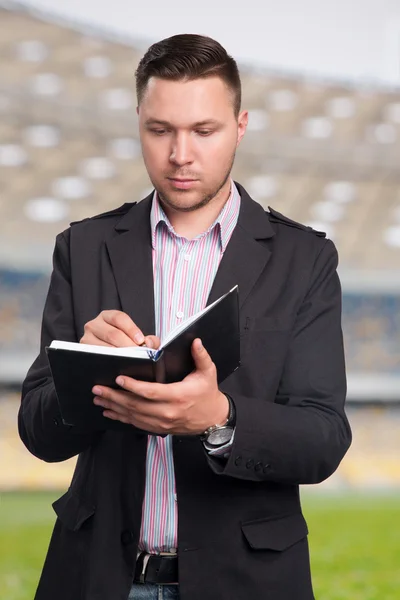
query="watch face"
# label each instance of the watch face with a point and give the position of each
(220, 436)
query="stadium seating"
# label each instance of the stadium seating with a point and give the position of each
(371, 323)
(323, 152)
(372, 462)
(19, 469)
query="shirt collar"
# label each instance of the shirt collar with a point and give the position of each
(226, 220)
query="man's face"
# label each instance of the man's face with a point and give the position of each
(189, 135)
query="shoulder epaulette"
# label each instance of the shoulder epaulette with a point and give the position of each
(121, 210)
(277, 217)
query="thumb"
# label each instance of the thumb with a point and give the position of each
(200, 355)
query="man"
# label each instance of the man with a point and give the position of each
(180, 515)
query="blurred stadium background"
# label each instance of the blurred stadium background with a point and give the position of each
(325, 153)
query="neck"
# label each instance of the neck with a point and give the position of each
(192, 224)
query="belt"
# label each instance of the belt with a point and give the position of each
(161, 569)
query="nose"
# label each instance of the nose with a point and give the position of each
(181, 151)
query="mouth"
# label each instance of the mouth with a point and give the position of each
(182, 183)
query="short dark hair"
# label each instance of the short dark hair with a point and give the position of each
(189, 56)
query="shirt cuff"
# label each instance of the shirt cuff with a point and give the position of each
(222, 451)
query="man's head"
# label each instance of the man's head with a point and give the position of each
(189, 96)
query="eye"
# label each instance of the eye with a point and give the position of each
(204, 132)
(158, 131)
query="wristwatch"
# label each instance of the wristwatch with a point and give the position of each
(218, 435)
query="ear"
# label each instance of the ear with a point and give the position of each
(243, 120)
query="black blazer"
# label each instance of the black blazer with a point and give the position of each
(241, 530)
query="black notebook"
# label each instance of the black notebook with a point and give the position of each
(76, 368)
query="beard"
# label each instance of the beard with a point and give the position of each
(206, 196)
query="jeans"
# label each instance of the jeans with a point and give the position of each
(151, 591)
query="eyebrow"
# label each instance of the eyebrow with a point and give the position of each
(167, 124)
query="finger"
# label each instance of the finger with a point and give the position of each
(110, 405)
(202, 359)
(132, 410)
(121, 321)
(92, 340)
(114, 416)
(106, 394)
(149, 425)
(128, 401)
(129, 410)
(103, 334)
(152, 341)
(160, 392)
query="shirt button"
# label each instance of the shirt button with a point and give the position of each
(179, 314)
(176, 497)
(186, 257)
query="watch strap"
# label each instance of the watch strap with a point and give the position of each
(230, 422)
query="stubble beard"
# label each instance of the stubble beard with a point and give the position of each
(207, 196)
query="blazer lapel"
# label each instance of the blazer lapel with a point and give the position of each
(130, 253)
(245, 258)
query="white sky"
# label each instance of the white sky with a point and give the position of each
(343, 38)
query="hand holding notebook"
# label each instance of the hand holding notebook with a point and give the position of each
(76, 368)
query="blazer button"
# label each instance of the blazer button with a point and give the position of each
(258, 466)
(250, 463)
(126, 537)
(238, 461)
(266, 468)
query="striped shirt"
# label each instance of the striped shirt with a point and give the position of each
(183, 272)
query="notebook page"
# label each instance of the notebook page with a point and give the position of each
(133, 351)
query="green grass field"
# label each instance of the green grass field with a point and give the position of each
(354, 541)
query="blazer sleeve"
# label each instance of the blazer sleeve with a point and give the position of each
(301, 435)
(39, 420)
